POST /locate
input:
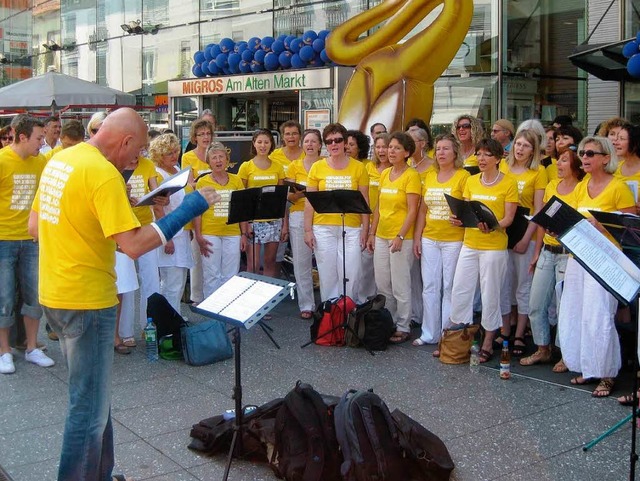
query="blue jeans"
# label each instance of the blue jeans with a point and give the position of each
(18, 262)
(86, 340)
(549, 271)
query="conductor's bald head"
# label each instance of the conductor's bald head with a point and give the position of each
(121, 137)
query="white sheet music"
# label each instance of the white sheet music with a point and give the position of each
(603, 258)
(239, 298)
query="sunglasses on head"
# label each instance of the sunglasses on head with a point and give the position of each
(590, 153)
(339, 140)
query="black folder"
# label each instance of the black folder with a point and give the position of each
(472, 212)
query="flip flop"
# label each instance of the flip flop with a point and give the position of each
(418, 342)
(560, 367)
(581, 381)
(484, 356)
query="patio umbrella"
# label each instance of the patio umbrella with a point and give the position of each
(54, 90)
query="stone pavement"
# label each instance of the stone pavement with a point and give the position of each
(521, 429)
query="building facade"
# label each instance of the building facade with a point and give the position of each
(513, 62)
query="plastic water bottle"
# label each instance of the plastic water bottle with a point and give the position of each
(505, 361)
(151, 340)
(474, 359)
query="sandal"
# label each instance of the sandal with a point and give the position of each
(582, 381)
(399, 337)
(418, 342)
(538, 357)
(121, 349)
(129, 341)
(626, 400)
(484, 356)
(499, 339)
(306, 315)
(604, 387)
(560, 367)
(518, 350)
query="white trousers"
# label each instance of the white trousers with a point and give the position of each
(195, 274)
(127, 315)
(365, 285)
(172, 282)
(416, 290)
(302, 262)
(491, 266)
(586, 327)
(438, 262)
(329, 256)
(393, 279)
(149, 277)
(517, 283)
(222, 264)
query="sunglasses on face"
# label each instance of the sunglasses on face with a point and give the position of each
(9, 138)
(339, 140)
(463, 126)
(590, 153)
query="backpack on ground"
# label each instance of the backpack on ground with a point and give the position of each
(379, 327)
(368, 439)
(168, 322)
(305, 447)
(357, 319)
(427, 456)
(329, 318)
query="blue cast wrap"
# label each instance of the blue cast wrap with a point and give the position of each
(193, 205)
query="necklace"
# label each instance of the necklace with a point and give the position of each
(489, 183)
(416, 164)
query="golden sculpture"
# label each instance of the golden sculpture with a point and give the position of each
(393, 82)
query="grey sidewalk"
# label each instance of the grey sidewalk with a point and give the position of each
(522, 429)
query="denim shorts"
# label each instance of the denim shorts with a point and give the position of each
(18, 269)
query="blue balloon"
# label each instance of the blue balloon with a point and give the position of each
(633, 66)
(227, 45)
(205, 68)
(226, 71)
(257, 67)
(240, 47)
(207, 52)
(267, 42)
(297, 62)
(288, 40)
(323, 34)
(295, 45)
(245, 67)
(318, 45)
(213, 68)
(197, 71)
(307, 53)
(324, 56)
(277, 47)
(253, 43)
(222, 60)
(309, 36)
(259, 56)
(285, 59)
(234, 62)
(630, 49)
(271, 61)
(199, 56)
(247, 55)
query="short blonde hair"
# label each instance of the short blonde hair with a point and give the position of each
(162, 145)
(605, 146)
(95, 120)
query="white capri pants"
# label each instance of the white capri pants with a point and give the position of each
(302, 262)
(195, 274)
(149, 276)
(517, 283)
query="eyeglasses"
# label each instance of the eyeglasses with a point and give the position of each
(590, 153)
(9, 138)
(339, 140)
(463, 126)
(204, 134)
(497, 131)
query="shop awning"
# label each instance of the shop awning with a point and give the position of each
(604, 60)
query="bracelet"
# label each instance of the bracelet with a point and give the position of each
(401, 237)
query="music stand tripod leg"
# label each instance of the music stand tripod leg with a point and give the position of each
(237, 396)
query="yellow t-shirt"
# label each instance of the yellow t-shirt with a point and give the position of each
(471, 161)
(392, 202)
(82, 203)
(323, 177)
(438, 227)
(552, 170)
(297, 173)
(214, 220)
(139, 182)
(52, 152)
(19, 179)
(190, 159)
(374, 184)
(635, 178)
(495, 198)
(423, 175)
(528, 182)
(257, 177)
(279, 156)
(570, 198)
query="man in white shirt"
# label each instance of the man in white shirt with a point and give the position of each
(52, 127)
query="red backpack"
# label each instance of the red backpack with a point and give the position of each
(329, 318)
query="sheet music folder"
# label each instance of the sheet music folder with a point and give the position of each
(244, 299)
(170, 186)
(557, 216)
(471, 212)
(339, 201)
(258, 203)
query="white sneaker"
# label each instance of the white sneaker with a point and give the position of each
(6, 364)
(39, 358)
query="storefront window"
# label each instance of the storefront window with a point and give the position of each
(632, 18)
(539, 81)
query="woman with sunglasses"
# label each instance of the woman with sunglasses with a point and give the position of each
(259, 172)
(298, 172)
(484, 251)
(323, 232)
(523, 164)
(550, 262)
(586, 326)
(6, 136)
(468, 130)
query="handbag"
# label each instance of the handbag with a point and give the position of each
(455, 344)
(205, 343)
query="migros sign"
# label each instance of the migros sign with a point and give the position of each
(263, 82)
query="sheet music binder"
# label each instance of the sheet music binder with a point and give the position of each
(170, 186)
(557, 216)
(471, 212)
(519, 226)
(258, 203)
(244, 299)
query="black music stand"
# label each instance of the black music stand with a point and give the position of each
(228, 305)
(340, 202)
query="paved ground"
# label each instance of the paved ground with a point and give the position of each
(522, 429)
